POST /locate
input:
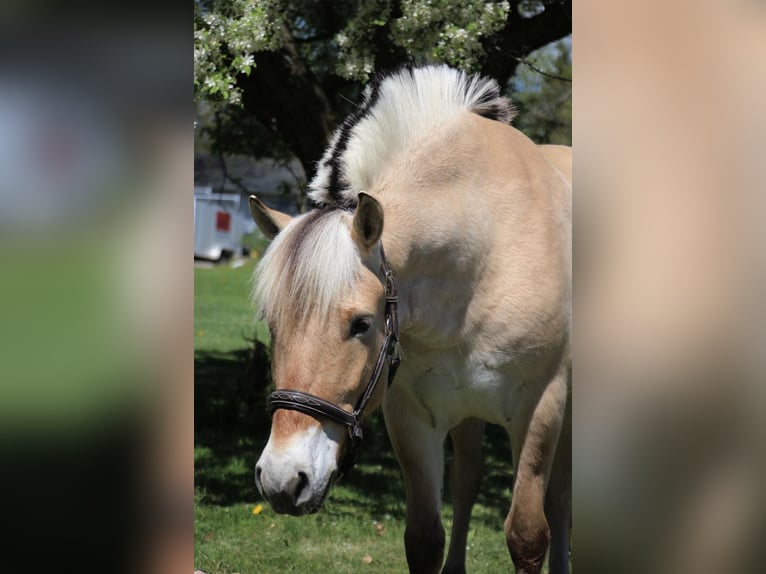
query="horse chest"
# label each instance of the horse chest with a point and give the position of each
(452, 389)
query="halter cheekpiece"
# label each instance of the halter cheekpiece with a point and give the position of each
(319, 408)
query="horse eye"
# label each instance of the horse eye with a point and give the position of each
(359, 326)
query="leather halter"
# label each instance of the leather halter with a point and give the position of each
(319, 408)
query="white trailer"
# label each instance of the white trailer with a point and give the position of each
(217, 224)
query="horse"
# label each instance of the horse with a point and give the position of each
(440, 243)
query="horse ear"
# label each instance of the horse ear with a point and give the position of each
(368, 220)
(269, 221)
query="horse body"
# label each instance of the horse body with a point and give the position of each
(485, 319)
(478, 234)
(482, 269)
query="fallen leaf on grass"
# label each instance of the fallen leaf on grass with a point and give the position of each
(208, 537)
(257, 509)
(367, 559)
(380, 529)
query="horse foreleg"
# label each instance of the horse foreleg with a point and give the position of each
(558, 498)
(465, 478)
(534, 436)
(420, 451)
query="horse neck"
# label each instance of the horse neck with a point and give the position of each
(435, 263)
(452, 221)
(435, 245)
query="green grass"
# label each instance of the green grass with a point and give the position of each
(363, 517)
(223, 317)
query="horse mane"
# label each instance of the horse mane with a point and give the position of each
(314, 260)
(395, 111)
(307, 266)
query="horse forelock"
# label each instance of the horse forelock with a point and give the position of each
(396, 111)
(308, 267)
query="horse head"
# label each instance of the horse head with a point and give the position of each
(320, 289)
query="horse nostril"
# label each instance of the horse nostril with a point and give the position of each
(303, 481)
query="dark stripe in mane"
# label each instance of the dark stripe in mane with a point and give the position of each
(495, 108)
(294, 248)
(334, 187)
(298, 239)
(395, 108)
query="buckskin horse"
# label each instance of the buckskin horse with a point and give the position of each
(472, 294)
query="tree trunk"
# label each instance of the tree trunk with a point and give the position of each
(284, 96)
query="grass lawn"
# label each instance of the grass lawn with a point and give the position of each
(361, 528)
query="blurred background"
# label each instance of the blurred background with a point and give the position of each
(96, 172)
(109, 118)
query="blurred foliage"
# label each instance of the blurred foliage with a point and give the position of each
(429, 31)
(226, 35)
(544, 102)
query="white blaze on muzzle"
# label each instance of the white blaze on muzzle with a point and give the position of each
(295, 477)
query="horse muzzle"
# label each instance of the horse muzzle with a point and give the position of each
(296, 478)
(292, 496)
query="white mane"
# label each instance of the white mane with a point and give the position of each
(307, 267)
(314, 260)
(396, 111)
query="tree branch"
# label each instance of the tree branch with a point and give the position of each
(224, 168)
(520, 36)
(539, 71)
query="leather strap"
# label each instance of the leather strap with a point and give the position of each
(308, 404)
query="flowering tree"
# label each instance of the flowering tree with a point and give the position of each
(280, 73)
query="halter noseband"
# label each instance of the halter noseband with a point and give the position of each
(319, 408)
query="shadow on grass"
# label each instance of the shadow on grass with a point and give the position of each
(230, 422)
(232, 427)
(378, 480)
